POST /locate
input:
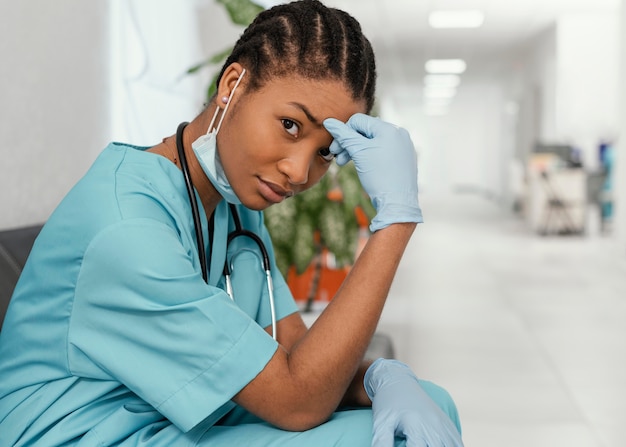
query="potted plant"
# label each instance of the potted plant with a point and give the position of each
(316, 233)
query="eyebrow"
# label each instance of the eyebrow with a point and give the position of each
(307, 112)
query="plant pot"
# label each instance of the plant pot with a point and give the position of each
(330, 279)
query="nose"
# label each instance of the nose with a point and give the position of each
(296, 167)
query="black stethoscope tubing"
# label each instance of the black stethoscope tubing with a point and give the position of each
(195, 212)
(239, 231)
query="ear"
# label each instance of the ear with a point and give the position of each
(230, 77)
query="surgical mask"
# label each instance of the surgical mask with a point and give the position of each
(205, 149)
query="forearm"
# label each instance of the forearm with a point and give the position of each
(308, 383)
(345, 328)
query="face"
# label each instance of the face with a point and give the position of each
(272, 143)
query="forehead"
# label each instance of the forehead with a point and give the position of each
(323, 98)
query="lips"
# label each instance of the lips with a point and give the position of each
(272, 192)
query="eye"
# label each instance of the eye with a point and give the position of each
(326, 154)
(291, 127)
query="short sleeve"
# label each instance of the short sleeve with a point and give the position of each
(143, 316)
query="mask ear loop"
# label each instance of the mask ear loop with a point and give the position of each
(217, 109)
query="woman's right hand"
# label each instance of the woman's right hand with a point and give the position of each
(386, 163)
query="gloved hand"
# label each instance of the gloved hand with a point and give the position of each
(400, 407)
(386, 162)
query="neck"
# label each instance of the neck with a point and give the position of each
(207, 192)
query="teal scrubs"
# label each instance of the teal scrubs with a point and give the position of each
(113, 338)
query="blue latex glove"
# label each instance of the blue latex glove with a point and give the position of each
(400, 407)
(386, 162)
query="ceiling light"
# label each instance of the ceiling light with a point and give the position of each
(435, 101)
(447, 66)
(432, 91)
(446, 80)
(456, 19)
(435, 110)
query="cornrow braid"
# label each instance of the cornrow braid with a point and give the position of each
(309, 39)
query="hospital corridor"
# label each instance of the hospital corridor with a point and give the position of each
(527, 333)
(512, 293)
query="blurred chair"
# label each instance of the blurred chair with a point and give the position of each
(557, 216)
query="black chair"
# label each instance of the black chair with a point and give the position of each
(15, 247)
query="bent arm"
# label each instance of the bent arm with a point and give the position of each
(300, 388)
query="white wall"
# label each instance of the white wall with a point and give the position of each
(565, 82)
(620, 166)
(459, 150)
(541, 88)
(462, 149)
(77, 74)
(154, 43)
(587, 81)
(54, 101)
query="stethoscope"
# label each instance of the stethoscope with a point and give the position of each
(238, 232)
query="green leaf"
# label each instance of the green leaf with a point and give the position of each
(198, 67)
(213, 60)
(333, 228)
(304, 249)
(348, 180)
(280, 221)
(241, 12)
(283, 260)
(219, 57)
(314, 199)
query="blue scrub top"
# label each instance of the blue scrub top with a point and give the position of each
(111, 330)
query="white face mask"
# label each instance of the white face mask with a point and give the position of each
(205, 149)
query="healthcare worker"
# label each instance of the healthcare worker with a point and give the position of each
(115, 338)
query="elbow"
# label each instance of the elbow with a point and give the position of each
(301, 420)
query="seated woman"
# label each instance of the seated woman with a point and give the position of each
(122, 330)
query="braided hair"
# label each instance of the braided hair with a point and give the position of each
(311, 40)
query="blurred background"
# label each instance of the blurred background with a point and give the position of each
(512, 295)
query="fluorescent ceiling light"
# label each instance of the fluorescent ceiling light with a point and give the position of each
(435, 110)
(456, 19)
(447, 66)
(431, 91)
(444, 80)
(437, 102)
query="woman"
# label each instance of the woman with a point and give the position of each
(119, 334)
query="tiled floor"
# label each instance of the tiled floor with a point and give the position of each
(528, 333)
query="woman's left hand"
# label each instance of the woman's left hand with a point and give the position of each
(400, 407)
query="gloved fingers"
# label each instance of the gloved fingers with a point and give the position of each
(345, 136)
(450, 436)
(341, 155)
(383, 436)
(335, 148)
(413, 441)
(435, 434)
(343, 158)
(338, 129)
(366, 125)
